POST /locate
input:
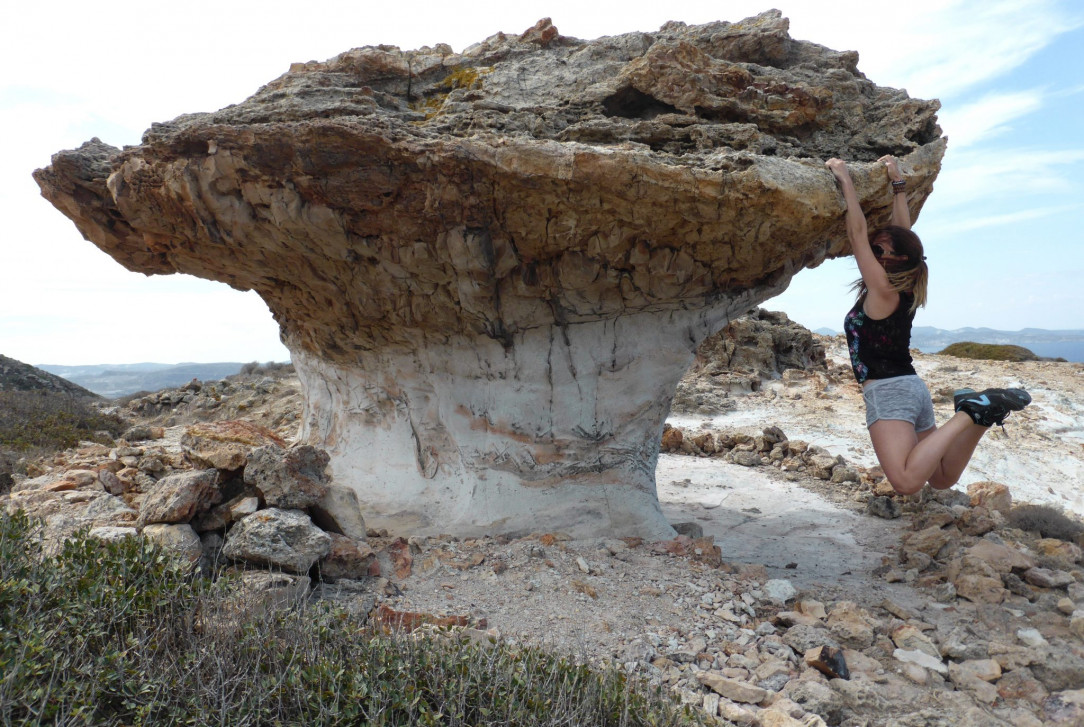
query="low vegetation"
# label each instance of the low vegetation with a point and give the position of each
(1046, 520)
(122, 634)
(271, 368)
(989, 351)
(35, 422)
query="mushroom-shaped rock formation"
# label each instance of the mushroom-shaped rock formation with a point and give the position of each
(492, 267)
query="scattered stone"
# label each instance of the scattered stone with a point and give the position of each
(979, 588)
(1059, 670)
(851, 625)
(884, 507)
(828, 661)
(909, 638)
(1032, 638)
(689, 529)
(1076, 623)
(347, 559)
(930, 540)
(987, 670)
(804, 638)
(991, 495)
(732, 689)
(1065, 708)
(921, 658)
(1046, 578)
(779, 591)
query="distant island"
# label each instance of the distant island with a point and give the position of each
(1066, 344)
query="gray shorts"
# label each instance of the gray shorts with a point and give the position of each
(901, 397)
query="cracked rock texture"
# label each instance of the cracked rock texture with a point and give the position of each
(492, 267)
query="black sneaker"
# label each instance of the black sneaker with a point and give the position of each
(991, 406)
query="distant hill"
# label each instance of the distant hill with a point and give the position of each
(116, 380)
(989, 351)
(1048, 344)
(18, 376)
(1067, 344)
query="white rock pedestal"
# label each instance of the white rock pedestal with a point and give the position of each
(560, 431)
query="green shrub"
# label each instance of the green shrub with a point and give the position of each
(38, 421)
(1047, 520)
(122, 634)
(988, 351)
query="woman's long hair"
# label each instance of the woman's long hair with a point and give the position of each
(905, 276)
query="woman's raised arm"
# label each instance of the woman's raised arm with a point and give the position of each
(881, 297)
(901, 215)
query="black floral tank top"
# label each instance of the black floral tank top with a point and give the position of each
(880, 349)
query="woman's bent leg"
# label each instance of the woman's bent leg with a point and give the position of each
(909, 462)
(956, 458)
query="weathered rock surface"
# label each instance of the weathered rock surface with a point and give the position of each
(493, 267)
(178, 497)
(291, 479)
(284, 539)
(226, 444)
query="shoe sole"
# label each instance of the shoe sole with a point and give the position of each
(1013, 399)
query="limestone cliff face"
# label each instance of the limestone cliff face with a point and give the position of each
(492, 267)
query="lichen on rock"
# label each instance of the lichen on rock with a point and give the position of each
(492, 267)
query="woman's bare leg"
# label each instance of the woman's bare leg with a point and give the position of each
(956, 458)
(909, 462)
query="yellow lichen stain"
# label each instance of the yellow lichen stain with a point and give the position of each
(466, 77)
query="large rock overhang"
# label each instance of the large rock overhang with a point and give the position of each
(492, 267)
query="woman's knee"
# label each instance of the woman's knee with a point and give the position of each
(941, 482)
(903, 485)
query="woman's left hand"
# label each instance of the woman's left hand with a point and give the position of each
(892, 166)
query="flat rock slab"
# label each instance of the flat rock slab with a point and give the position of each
(775, 526)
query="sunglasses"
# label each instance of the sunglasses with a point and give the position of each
(879, 252)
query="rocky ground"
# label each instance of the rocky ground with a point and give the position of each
(801, 590)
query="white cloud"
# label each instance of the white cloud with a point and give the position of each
(1005, 174)
(936, 48)
(945, 229)
(988, 117)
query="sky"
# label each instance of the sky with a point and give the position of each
(1001, 230)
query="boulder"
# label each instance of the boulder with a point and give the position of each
(492, 267)
(339, 511)
(180, 539)
(291, 479)
(347, 558)
(284, 539)
(177, 498)
(225, 445)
